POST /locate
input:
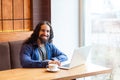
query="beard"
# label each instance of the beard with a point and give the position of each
(43, 40)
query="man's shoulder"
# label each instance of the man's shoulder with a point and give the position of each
(50, 45)
(29, 45)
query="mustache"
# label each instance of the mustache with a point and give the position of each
(44, 35)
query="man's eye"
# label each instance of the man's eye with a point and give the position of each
(48, 31)
(42, 30)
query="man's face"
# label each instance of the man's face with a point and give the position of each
(44, 33)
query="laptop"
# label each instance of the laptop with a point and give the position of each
(79, 57)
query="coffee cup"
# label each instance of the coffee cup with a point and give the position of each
(52, 67)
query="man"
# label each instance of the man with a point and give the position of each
(38, 50)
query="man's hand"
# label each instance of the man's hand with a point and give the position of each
(54, 62)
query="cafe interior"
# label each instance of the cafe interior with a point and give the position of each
(76, 23)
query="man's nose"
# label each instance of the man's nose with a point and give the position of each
(45, 32)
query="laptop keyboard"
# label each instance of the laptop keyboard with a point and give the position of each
(66, 65)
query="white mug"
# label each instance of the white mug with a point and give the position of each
(52, 67)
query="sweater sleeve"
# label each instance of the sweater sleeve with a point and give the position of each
(26, 58)
(58, 55)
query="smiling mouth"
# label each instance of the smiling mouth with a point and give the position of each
(45, 36)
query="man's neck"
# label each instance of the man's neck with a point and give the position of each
(40, 44)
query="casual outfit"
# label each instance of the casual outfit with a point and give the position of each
(32, 55)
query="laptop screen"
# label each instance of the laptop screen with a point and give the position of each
(79, 56)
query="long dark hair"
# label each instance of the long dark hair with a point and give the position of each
(34, 36)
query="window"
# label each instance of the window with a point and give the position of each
(102, 31)
(102, 22)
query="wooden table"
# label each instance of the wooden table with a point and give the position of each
(43, 74)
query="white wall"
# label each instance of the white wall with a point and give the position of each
(65, 23)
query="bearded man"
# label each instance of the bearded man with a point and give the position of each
(38, 51)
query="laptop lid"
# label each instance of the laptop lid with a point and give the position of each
(79, 57)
